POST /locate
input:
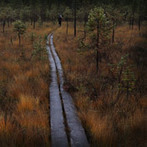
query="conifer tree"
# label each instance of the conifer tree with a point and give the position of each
(20, 29)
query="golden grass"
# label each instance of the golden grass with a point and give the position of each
(33, 119)
(24, 117)
(24, 85)
(27, 104)
(100, 128)
(121, 125)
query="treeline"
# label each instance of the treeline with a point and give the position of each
(14, 3)
(48, 10)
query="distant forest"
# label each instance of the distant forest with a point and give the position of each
(135, 4)
(49, 9)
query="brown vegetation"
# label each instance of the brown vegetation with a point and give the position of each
(24, 92)
(111, 114)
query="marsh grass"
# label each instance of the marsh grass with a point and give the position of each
(24, 92)
(121, 124)
(24, 81)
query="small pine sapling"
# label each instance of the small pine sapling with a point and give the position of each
(20, 29)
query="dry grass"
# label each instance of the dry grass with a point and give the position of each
(123, 124)
(24, 88)
(24, 92)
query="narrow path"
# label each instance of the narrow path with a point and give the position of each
(65, 124)
(58, 133)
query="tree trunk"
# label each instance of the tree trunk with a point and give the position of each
(5, 118)
(67, 27)
(42, 20)
(34, 24)
(11, 40)
(75, 18)
(31, 22)
(85, 34)
(113, 32)
(139, 23)
(98, 40)
(97, 61)
(133, 22)
(127, 90)
(130, 22)
(4, 23)
(19, 39)
(8, 23)
(85, 21)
